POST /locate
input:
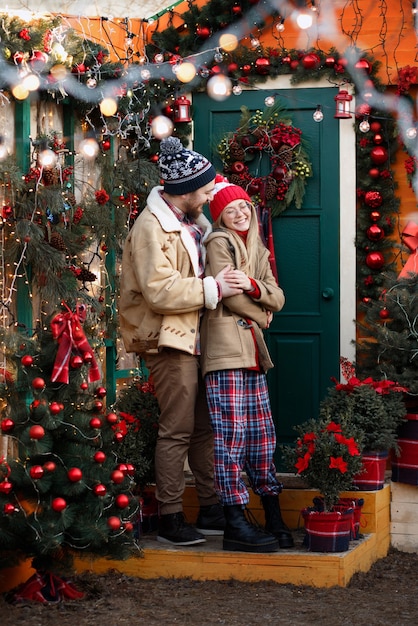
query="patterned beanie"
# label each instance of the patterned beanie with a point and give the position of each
(183, 170)
(223, 194)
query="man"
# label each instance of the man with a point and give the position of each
(163, 292)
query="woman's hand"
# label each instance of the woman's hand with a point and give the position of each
(241, 280)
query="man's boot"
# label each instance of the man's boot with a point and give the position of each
(274, 522)
(240, 535)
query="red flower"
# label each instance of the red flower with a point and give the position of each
(332, 427)
(24, 34)
(350, 443)
(101, 196)
(303, 463)
(338, 463)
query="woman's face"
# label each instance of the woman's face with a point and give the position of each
(237, 215)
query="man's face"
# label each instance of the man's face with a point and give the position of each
(192, 203)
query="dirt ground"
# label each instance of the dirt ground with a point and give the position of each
(386, 595)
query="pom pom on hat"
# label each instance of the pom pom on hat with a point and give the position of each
(182, 170)
(224, 193)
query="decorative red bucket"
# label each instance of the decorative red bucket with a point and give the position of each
(372, 478)
(405, 466)
(356, 504)
(327, 531)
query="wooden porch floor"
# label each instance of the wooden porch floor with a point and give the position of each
(294, 566)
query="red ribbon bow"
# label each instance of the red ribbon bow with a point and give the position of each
(68, 331)
(410, 239)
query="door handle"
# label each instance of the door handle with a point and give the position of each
(328, 293)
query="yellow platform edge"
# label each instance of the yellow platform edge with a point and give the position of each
(286, 567)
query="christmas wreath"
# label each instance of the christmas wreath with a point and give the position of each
(267, 133)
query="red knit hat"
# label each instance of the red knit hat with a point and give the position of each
(223, 194)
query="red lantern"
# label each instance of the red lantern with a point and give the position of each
(181, 110)
(342, 105)
(58, 504)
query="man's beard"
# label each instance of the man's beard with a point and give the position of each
(193, 211)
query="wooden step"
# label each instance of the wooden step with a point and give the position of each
(294, 566)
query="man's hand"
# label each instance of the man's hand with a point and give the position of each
(228, 282)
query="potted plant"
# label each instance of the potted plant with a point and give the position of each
(374, 407)
(327, 456)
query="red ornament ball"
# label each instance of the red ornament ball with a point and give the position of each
(375, 216)
(38, 383)
(375, 260)
(330, 61)
(117, 477)
(377, 139)
(36, 432)
(87, 357)
(379, 155)
(122, 501)
(106, 144)
(58, 504)
(237, 167)
(128, 526)
(36, 472)
(95, 422)
(7, 425)
(74, 474)
(112, 418)
(130, 469)
(310, 61)
(262, 66)
(50, 466)
(55, 408)
(246, 69)
(9, 508)
(6, 487)
(203, 32)
(363, 65)
(375, 233)
(99, 490)
(119, 436)
(114, 522)
(278, 172)
(374, 172)
(26, 360)
(123, 468)
(84, 386)
(375, 127)
(100, 392)
(384, 314)
(99, 456)
(373, 199)
(97, 405)
(76, 362)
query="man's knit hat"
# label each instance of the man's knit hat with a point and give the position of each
(223, 194)
(183, 170)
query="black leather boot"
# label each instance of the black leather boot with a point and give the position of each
(240, 535)
(274, 522)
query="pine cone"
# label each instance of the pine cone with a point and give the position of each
(285, 154)
(50, 177)
(235, 179)
(236, 152)
(56, 241)
(271, 188)
(86, 276)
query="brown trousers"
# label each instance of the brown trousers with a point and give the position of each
(184, 429)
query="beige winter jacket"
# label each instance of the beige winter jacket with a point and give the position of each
(226, 338)
(161, 295)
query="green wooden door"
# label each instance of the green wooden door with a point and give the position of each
(304, 337)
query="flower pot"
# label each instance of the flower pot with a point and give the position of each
(356, 504)
(405, 466)
(372, 478)
(327, 531)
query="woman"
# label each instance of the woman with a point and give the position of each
(235, 360)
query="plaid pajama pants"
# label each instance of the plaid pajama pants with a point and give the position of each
(244, 434)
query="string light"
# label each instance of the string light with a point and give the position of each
(364, 125)
(219, 87)
(318, 115)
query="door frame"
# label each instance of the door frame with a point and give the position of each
(347, 167)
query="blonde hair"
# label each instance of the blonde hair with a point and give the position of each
(249, 248)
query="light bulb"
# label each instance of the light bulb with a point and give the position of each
(411, 133)
(108, 106)
(47, 158)
(280, 27)
(237, 90)
(161, 126)
(269, 101)
(219, 87)
(318, 116)
(89, 147)
(228, 42)
(364, 125)
(304, 20)
(186, 72)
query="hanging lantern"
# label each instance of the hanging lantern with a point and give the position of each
(342, 106)
(181, 108)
